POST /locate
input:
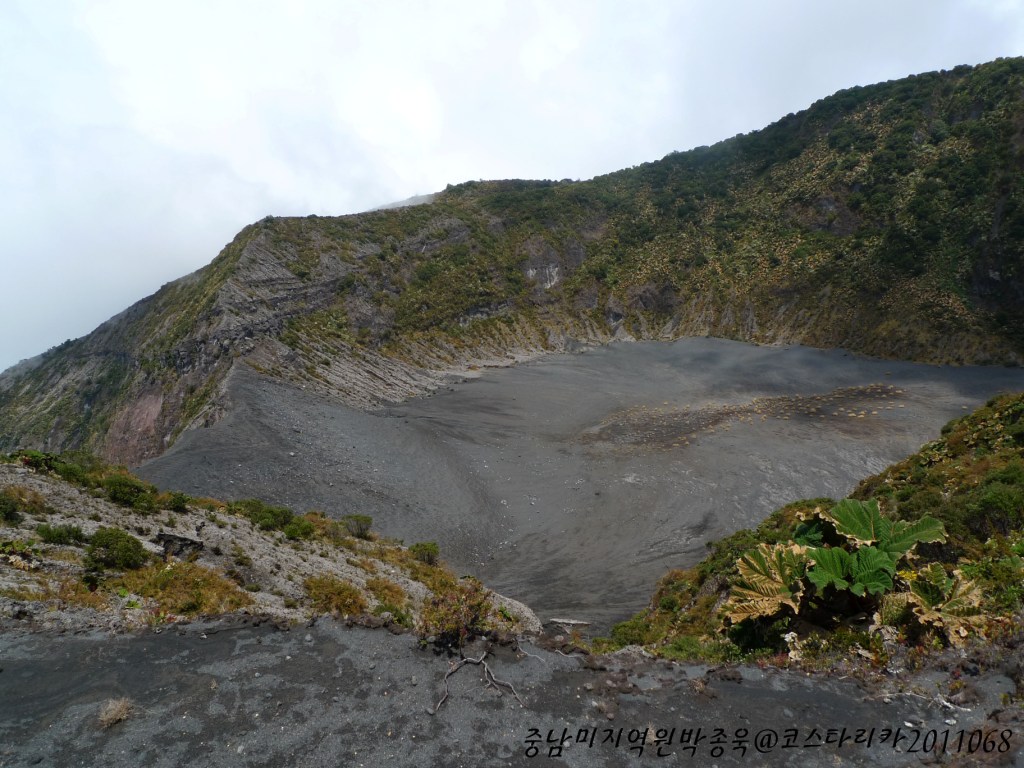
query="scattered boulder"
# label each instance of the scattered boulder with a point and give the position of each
(178, 546)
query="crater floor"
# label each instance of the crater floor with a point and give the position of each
(574, 482)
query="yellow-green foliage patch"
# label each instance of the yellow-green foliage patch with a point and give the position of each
(386, 591)
(186, 589)
(456, 615)
(73, 592)
(328, 594)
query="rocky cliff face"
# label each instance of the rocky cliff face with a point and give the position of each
(887, 220)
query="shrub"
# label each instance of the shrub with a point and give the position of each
(631, 632)
(126, 490)
(455, 616)
(688, 648)
(386, 591)
(115, 548)
(334, 531)
(17, 501)
(186, 588)
(61, 534)
(669, 603)
(73, 473)
(332, 595)
(9, 508)
(426, 552)
(36, 460)
(263, 516)
(80, 468)
(175, 501)
(358, 525)
(998, 510)
(1016, 432)
(299, 528)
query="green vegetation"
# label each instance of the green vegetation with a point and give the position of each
(391, 599)
(185, 589)
(114, 483)
(328, 594)
(358, 525)
(18, 547)
(264, 516)
(386, 591)
(458, 614)
(177, 501)
(61, 534)
(114, 548)
(9, 508)
(426, 552)
(16, 502)
(851, 565)
(172, 588)
(933, 547)
(129, 491)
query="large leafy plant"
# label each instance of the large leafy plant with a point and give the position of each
(771, 578)
(950, 603)
(841, 558)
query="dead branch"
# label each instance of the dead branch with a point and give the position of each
(492, 681)
(520, 649)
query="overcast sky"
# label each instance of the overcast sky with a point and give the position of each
(137, 137)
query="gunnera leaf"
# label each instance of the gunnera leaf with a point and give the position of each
(903, 536)
(952, 604)
(809, 533)
(929, 588)
(858, 521)
(862, 523)
(830, 566)
(770, 577)
(866, 571)
(872, 571)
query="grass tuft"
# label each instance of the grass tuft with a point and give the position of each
(114, 711)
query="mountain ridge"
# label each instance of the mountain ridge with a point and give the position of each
(886, 219)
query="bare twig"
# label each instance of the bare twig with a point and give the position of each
(492, 681)
(452, 669)
(527, 653)
(949, 704)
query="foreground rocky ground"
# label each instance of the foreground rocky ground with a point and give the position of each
(242, 693)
